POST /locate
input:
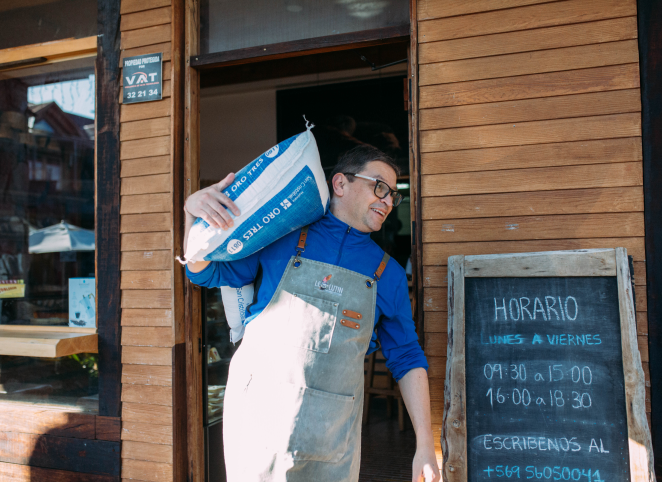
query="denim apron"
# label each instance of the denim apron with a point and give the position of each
(294, 399)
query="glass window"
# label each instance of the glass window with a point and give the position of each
(33, 22)
(47, 244)
(228, 25)
(219, 350)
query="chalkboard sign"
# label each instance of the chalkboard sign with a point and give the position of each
(544, 377)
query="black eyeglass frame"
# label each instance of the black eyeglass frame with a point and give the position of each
(395, 195)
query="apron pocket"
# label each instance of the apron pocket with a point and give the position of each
(312, 321)
(322, 428)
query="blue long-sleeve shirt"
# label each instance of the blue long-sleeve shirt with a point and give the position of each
(334, 242)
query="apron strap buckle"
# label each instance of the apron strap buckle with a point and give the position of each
(382, 267)
(301, 246)
(378, 274)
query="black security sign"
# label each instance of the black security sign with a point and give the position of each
(142, 78)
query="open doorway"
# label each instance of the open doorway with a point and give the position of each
(247, 109)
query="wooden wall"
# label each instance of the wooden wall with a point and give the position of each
(148, 268)
(39, 442)
(530, 125)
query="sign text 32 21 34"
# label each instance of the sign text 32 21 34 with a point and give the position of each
(142, 93)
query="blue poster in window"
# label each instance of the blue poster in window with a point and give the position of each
(82, 303)
(142, 78)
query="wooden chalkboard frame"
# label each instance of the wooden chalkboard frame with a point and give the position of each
(590, 262)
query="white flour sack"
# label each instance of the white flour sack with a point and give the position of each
(281, 191)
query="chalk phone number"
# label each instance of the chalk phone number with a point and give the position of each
(544, 473)
(142, 93)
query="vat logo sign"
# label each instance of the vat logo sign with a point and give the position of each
(234, 246)
(142, 78)
(272, 152)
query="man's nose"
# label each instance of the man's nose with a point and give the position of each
(388, 200)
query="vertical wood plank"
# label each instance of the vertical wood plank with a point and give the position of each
(454, 430)
(649, 16)
(180, 382)
(192, 301)
(415, 176)
(640, 445)
(107, 199)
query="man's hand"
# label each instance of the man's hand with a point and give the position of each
(424, 468)
(210, 204)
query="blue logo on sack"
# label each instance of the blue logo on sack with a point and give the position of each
(297, 204)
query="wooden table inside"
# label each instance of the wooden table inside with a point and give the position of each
(45, 341)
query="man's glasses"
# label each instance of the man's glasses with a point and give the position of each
(381, 188)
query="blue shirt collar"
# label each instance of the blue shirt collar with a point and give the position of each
(338, 229)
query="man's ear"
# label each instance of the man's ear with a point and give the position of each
(338, 184)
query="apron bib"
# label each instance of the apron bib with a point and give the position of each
(294, 399)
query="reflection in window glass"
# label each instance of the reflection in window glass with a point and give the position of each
(47, 241)
(228, 25)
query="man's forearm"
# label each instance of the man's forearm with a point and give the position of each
(416, 395)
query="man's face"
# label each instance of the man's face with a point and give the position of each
(360, 203)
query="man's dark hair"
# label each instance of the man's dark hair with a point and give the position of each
(356, 158)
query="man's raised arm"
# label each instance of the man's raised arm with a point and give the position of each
(209, 204)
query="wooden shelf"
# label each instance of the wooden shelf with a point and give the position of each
(47, 342)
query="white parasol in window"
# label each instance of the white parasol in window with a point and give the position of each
(61, 237)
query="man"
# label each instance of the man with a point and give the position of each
(294, 398)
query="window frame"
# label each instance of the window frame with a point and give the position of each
(294, 48)
(37, 340)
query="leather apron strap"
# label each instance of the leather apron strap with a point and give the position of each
(301, 247)
(382, 267)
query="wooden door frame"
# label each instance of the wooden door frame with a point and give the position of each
(195, 62)
(192, 301)
(107, 207)
(415, 178)
(649, 17)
